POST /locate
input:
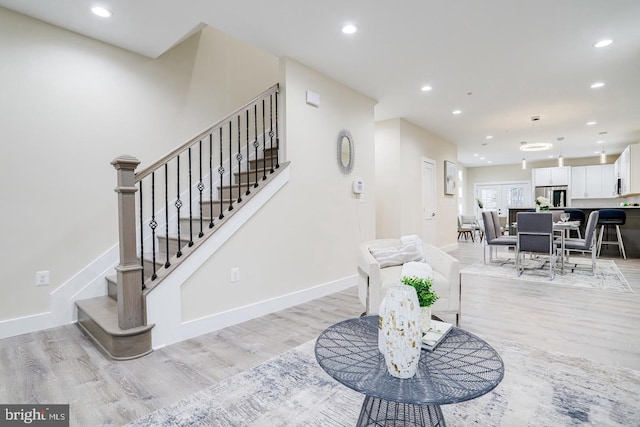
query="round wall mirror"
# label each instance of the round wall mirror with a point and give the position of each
(345, 151)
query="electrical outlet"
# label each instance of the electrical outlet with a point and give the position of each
(235, 274)
(42, 278)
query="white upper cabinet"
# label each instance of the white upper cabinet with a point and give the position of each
(627, 169)
(592, 182)
(545, 177)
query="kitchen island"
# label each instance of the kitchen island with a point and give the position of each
(630, 231)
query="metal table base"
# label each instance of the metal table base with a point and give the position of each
(379, 413)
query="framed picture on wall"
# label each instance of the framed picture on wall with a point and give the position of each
(449, 178)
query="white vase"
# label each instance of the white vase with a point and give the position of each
(401, 331)
(425, 318)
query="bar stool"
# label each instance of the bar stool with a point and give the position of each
(609, 217)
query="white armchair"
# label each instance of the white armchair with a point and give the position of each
(373, 281)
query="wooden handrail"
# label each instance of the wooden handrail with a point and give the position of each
(148, 170)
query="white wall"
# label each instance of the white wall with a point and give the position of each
(69, 106)
(400, 146)
(309, 233)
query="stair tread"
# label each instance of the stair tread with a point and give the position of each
(104, 312)
(253, 171)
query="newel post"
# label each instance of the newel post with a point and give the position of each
(130, 304)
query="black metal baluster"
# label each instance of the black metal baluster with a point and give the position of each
(153, 224)
(256, 144)
(167, 264)
(248, 162)
(200, 187)
(277, 137)
(190, 203)
(211, 180)
(271, 132)
(239, 158)
(178, 205)
(264, 146)
(141, 239)
(230, 168)
(221, 172)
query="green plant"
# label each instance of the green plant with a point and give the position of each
(426, 297)
(480, 205)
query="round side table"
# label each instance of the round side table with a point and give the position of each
(461, 368)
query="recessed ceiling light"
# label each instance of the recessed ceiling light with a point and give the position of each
(476, 155)
(600, 142)
(349, 29)
(597, 85)
(591, 123)
(603, 43)
(101, 12)
(456, 112)
(489, 161)
(426, 88)
(489, 137)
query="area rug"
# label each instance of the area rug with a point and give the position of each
(539, 389)
(577, 273)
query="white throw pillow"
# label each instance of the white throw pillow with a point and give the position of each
(416, 240)
(417, 269)
(396, 255)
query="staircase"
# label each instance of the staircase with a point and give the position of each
(116, 322)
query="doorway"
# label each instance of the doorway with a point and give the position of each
(502, 196)
(429, 200)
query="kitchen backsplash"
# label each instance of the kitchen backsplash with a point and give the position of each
(604, 203)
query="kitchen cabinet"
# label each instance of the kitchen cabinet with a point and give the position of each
(592, 182)
(546, 177)
(627, 169)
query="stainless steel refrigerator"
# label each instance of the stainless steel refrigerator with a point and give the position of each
(556, 195)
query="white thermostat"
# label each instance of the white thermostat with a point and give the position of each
(358, 186)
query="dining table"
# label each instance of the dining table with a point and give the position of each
(563, 227)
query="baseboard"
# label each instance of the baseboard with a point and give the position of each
(214, 322)
(88, 282)
(449, 248)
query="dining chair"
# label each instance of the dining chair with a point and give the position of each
(588, 244)
(492, 235)
(465, 230)
(471, 222)
(535, 236)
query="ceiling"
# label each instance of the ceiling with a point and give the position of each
(499, 61)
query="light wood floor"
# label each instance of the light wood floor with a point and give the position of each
(61, 366)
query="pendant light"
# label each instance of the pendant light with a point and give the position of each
(533, 145)
(603, 155)
(524, 161)
(560, 159)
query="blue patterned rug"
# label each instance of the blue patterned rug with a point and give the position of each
(539, 389)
